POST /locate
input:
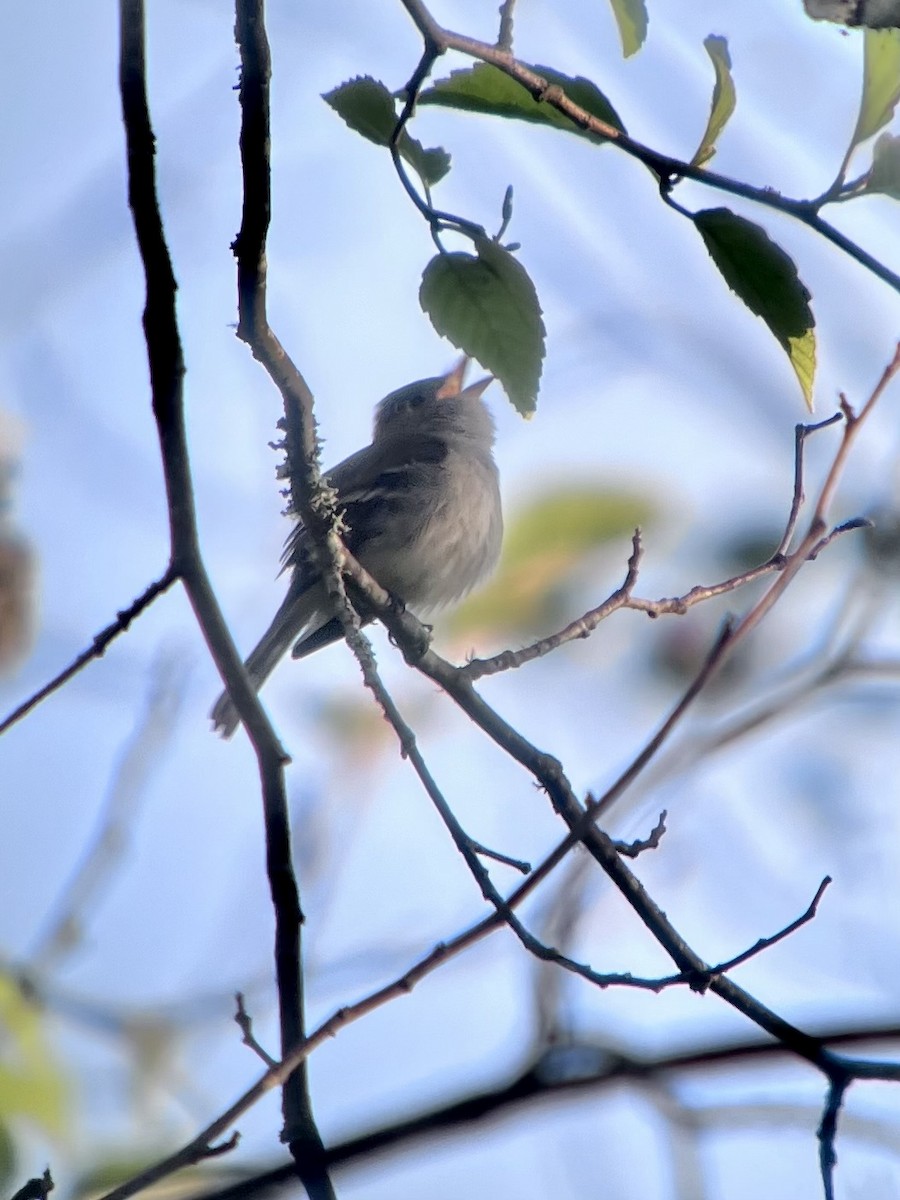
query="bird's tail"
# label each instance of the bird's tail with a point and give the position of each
(292, 617)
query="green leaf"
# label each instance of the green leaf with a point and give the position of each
(885, 174)
(760, 273)
(631, 18)
(881, 82)
(723, 99)
(544, 551)
(368, 108)
(486, 89)
(487, 306)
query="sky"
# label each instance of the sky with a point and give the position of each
(656, 382)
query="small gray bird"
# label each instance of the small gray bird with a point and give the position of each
(422, 510)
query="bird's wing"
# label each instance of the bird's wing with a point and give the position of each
(370, 484)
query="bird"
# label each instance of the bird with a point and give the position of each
(421, 511)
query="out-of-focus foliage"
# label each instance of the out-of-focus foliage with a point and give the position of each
(544, 551)
(32, 1086)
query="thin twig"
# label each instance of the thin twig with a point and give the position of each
(437, 219)
(668, 170)
(245, 1024)
(801, 433)
(518, 864)
(96, 649)
(477, 668)
(650, 842)
(623, 596)
(766, 942)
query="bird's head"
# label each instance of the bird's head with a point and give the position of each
(437, 406)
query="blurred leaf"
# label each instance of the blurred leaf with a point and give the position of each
(544, 548)
(885, 174)
(723, 99)
(881, 541)
(486, 89)
(8, 1160)
(355, 725)
(17, 602)
(31, 1085)
(368, 107)
(631, 18)
(17, 557)
(881, 82)
(744, 548)
(760, 273)
(487, 306)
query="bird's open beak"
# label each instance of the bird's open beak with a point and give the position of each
(453, 381)
(475, 389)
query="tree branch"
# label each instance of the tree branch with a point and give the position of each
(667, 170)
(556, 1074)
(300, 1131)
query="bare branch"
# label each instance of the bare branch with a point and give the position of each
(517, 864)
(311, 503)
(558, 1073)
(765, 943)
(245, 1024)
(801, 433)
(477, 668)
(828, 1130)
(96, 650)
(623, 596)
(166, 374)
(437, 219)
(650, 842)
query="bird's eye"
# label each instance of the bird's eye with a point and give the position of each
(409, 398)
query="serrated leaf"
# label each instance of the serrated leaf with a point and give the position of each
(631, 18)
(366, 105)
(885, 174)
(723, 99)
(544, 550)
(432, 164)
(881, 82)
(761, 274)
(487, 306)
(486, 89)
